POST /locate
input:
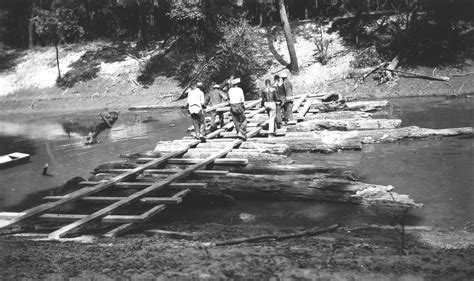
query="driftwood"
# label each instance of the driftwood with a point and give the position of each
(356, 105)
(345, 125)
(438, 78)
(412, 132)
(253, 239)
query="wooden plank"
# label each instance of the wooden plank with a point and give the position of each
(299, 102)
(71, 197)
(222, 161)
(304, 110)
(171, 171)
(75, 217)
(178, 185)
(106, 199)
(142, 193)
(128, 226)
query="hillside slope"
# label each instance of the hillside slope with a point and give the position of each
(28, 78)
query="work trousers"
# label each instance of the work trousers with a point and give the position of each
(278, 115)
(199, 125)
(238, 116)
(288, 111)
(270, 107)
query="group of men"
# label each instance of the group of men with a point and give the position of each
(197, 102)
(275, 98)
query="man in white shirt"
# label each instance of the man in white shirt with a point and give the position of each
(237, 108)
(195, 107)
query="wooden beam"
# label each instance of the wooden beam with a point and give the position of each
(299, 101)
(75, 217)
(106, 199)
(142, 193)
(179, 185)
(304, 110)
(222, 161)
(41, 209)
(171, 171)
(127, 226)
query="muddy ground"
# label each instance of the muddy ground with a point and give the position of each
(346, 254)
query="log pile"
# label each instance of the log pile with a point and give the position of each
(261, 167)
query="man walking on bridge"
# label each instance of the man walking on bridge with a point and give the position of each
(237, 108)
(288, 104)
(195, 107)
(215, 97)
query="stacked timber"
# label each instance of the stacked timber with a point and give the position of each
(274, 182)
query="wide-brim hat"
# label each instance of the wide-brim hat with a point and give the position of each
(199, 84)
(236, 81)
(284, 75)
(216, 86)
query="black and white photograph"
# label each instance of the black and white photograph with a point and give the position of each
(237, 140)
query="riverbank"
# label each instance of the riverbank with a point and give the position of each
(365, 253)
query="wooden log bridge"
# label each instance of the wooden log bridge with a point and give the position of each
(224, 164)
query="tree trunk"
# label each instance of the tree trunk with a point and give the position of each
(289, 37)
(31, 32)
(345, 124)
(57, 59)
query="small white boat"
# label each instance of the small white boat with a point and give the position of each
(12, 159)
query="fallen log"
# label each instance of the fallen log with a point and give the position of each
(355, 105)
(337, 115)
(412, 132)
(271, 169)
(253, 239)
(317, 141)
(345, 125)
(319, 187)
(331, 141)
(314, 187)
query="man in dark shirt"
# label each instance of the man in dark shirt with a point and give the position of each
(280, 94)
(215, 97)
(269, 100)
(288, 104)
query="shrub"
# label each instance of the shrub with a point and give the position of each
(366, 58)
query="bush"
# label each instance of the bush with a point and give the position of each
(366, 58)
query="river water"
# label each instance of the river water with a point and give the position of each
(435, 172)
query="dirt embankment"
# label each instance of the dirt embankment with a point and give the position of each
(357, 254)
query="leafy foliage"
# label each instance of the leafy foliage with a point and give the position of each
(57, 26)
(366, 58)
(236, 55)
(322, 46)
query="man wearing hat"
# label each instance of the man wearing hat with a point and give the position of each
(237, 108)
(215, 97)
(195, 107)
(288, 104)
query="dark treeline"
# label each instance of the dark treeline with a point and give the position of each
(146, 20)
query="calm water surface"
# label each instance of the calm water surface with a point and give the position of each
(435, 172)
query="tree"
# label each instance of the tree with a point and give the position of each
(289, 38)
(57, 26)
